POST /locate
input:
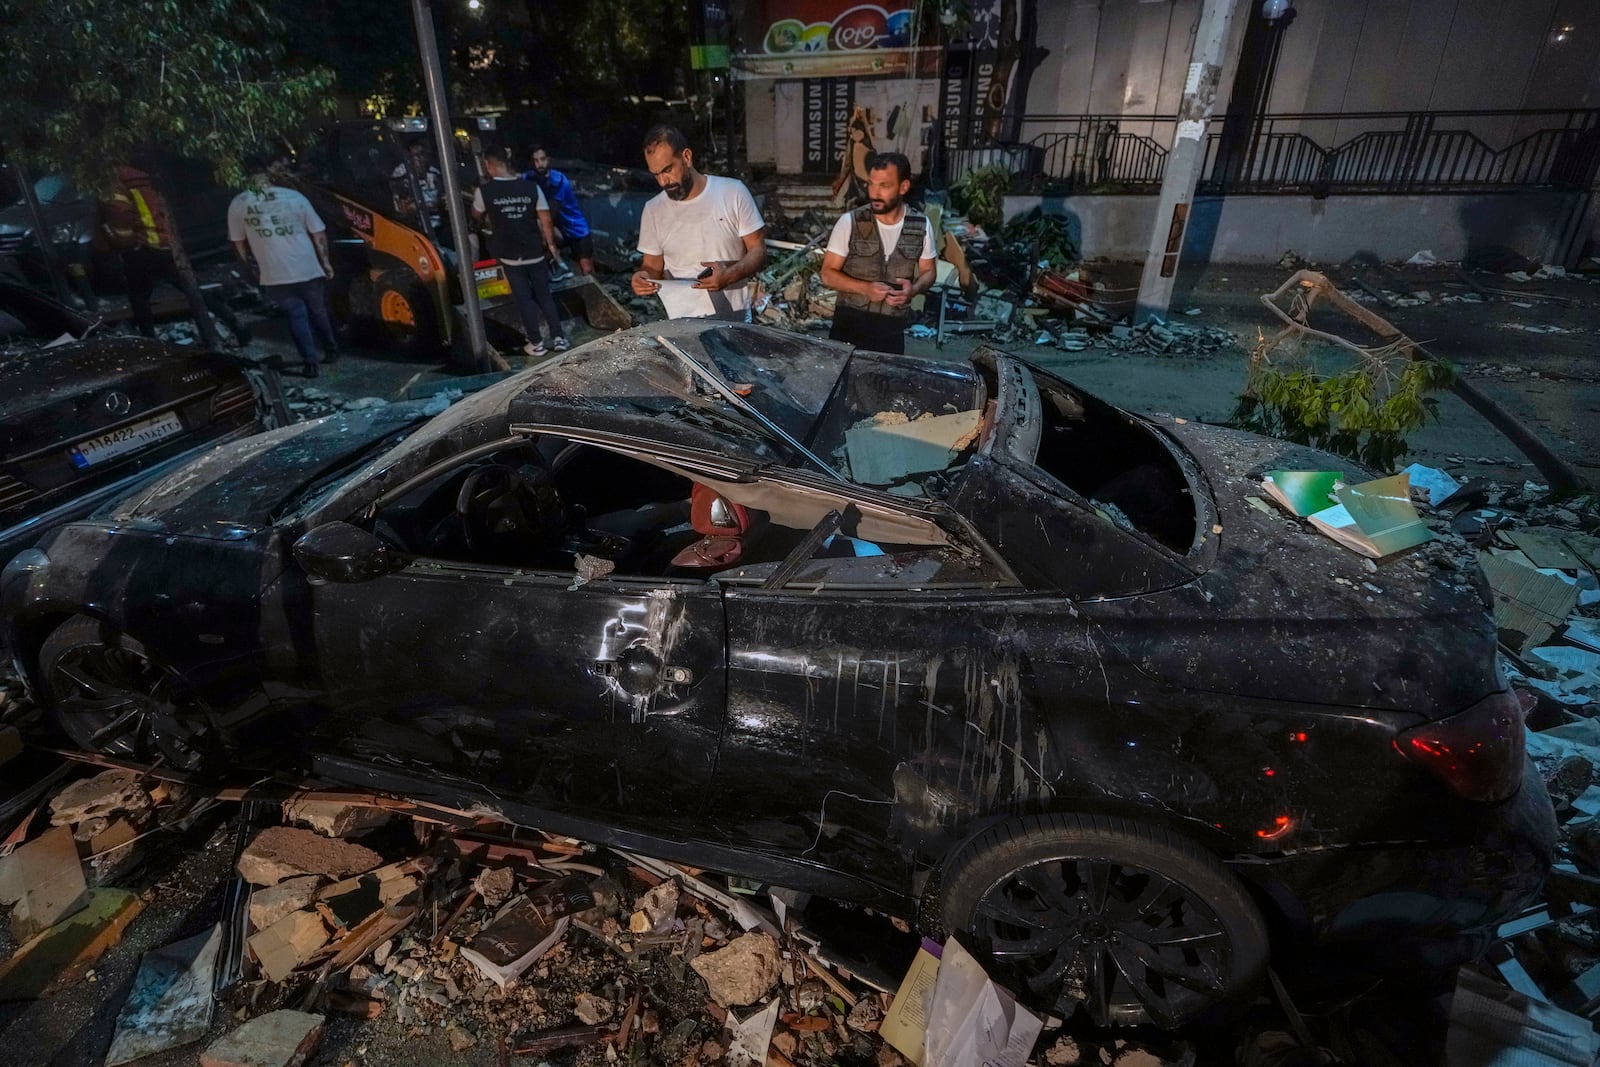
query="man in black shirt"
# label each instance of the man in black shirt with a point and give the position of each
(523, 233)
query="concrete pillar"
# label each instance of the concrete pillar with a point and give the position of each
(1214, 40)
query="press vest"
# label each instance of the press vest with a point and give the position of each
(513, 204)
(865, 261)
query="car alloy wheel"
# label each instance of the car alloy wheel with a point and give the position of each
(108, 695)
(1130, 924)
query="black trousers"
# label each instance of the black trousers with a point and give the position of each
(869, 330)
(146, 266)
(530, 288)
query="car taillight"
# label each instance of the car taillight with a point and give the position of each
(1479, 752)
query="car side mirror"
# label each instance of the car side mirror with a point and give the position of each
(340, 552)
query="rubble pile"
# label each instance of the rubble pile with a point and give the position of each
(446, 930)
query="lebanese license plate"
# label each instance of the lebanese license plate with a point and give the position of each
(491, 282)
(127, 439)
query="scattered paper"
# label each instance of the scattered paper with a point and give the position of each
(752, 1036)
(905, 1027)
(1434, 482)
(1424, 258)
(973, 1021)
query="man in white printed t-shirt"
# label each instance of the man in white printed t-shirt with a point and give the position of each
(279, 230)
(703, 231)
(879, 256)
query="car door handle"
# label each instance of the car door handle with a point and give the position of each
(638, 670)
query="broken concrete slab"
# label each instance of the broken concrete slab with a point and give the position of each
(282, 852)
(44, 880)
(277, 1039)
(333, 818)
(170, 1003)
(743, 972)
(61, 954)
(287, 943)
(272, 903)
(110, 793)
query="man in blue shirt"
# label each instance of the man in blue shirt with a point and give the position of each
(569, 218)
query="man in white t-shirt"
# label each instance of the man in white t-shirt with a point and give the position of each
(879, 256)
(704, 232)
(276, 230)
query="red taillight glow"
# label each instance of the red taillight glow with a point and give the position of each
(1280, 826)
(1479, 752)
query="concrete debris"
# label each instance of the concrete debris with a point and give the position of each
(283, 852)
(277, 1039)
(742, 973)
(332, 819)
(269, 904)
(493, 885)
(287, 943)
(656, 909)
(43, 881)
(114, 792)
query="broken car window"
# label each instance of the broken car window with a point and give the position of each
(1116, 462)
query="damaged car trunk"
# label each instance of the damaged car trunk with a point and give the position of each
(962, 642)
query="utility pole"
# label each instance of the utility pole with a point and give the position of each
(444, 148)
(1212, 41)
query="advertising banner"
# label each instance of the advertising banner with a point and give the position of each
(798, 27)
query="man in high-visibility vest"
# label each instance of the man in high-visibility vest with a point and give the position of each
(135, 221)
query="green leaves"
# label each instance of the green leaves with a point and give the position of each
(1362, 411)
(90, 83)
(981, 192)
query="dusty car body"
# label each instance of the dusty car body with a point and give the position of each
(83, 414)
(1061, 687)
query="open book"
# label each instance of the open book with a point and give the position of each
(512, 941)
(1302, 492)
(1373, 518)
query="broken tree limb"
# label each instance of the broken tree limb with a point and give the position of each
(1312, 286)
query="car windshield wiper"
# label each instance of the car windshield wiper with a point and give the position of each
(771, 429)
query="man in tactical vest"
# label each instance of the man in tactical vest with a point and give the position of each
(523, 232)
(879, 256)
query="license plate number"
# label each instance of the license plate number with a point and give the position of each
(128, 439)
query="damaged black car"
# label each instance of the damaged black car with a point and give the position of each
(86, 414)
(960, 642)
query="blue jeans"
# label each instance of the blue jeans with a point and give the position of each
(307, 309)
(530, 288)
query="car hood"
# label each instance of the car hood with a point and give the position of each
(1284, 612)
(235, 490)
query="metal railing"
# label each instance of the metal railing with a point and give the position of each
(1317, 153)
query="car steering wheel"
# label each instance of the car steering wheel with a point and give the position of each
(509, 510)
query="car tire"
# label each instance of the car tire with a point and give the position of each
(405, 313)
(106, 693)
(1127, 922)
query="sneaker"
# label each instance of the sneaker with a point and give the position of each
(312, 371)
(560, 344)
(534, 348)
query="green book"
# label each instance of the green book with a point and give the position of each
(1374, 518)
(1302, 492)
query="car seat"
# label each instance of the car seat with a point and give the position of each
(726, 530)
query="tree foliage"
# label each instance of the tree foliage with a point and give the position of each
(1363, 410)
(91, 83)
